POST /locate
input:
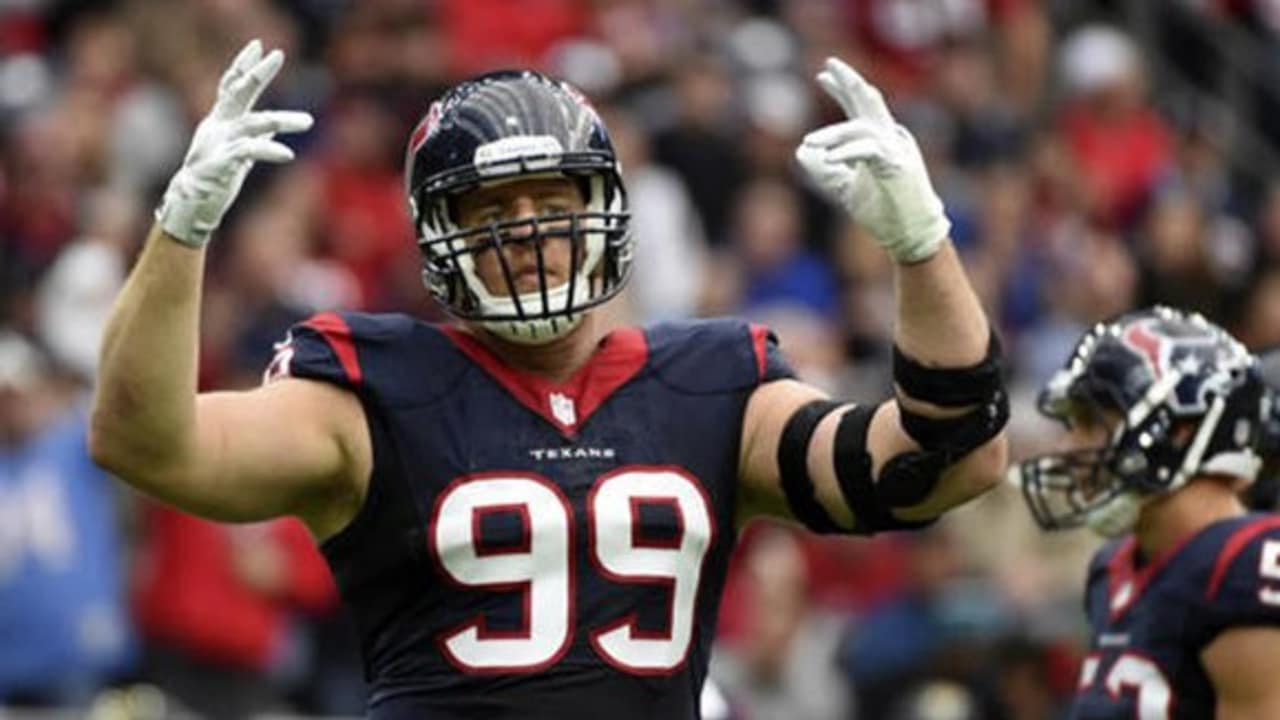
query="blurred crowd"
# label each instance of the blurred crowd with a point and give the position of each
(1094, 156)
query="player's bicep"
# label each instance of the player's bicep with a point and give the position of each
(1241, 664)
(771, 422)
(827, 464)
(291, 447)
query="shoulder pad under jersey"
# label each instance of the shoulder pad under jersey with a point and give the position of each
(713, 356)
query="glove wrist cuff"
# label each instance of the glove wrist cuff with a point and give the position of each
(925, 244)
(179, 228)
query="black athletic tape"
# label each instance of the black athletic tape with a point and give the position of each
(853, 469)
(793, 465)
(950, 387)
(867, 499)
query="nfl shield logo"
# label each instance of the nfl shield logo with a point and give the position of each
(562, 409)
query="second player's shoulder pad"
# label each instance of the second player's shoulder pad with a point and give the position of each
(713, 356)
(392, 357)
(1243, 576)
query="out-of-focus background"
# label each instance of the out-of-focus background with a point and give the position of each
(1094, 156)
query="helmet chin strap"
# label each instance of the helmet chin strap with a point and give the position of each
(533, 332)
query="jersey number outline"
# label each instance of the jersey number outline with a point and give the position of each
(1133, 670)
(1269, 569)
(541, 566)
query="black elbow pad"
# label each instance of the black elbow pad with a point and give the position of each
(952, 438)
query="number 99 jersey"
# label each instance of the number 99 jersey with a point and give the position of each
(532, 549)
(1151, 623)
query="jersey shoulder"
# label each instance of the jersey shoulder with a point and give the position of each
(715, 356)
(391, 357)
(1240, 567)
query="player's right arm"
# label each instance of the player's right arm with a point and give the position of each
(1241, 664)
(294, 447)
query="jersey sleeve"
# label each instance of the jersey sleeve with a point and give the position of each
(319, 348)
(1244, 584)
(770, 363)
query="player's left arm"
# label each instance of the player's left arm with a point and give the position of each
(1241, 663)
(940, 441)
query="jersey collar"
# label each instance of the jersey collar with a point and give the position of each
(566, 406)
(1126, 580)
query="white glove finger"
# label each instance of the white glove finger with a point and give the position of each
(827, 175)
(248, 56)
(270, 122)
(245, 91)
(832, 135)
(863, 150)
(862, 95)
(264, 149)
(833, 89)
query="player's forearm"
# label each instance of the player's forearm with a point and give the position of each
(940, 322)
(144, 403)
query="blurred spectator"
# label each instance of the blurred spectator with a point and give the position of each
(779, 270)
(783, 665)
(62, 612)
(671, 257)
(1174, 257)
(933, 631)
(366, 224)
(1120, 146)
(75, 295)
(700, 146)
(491, 34)
(216, 605)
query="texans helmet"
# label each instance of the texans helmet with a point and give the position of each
(1176, 397)
(500, 127)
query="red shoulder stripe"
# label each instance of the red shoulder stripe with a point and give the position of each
(337, 333)
(1234, 545)
(759, 337)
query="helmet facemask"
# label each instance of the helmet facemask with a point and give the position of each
(599, 262)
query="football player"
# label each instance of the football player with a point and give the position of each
(1167, 419)
(529, 516)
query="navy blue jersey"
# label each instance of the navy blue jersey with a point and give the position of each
(532, 549)
(1151, 622)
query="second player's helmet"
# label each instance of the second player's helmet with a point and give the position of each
(1178, 397)
(504, 126)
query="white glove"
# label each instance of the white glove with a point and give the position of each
(226, 144)
(872, 166)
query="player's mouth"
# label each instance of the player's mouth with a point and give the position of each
(527, 280)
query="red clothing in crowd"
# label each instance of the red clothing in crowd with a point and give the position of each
(905, 37)
(490, 34)
(1118, 160)
(188, 595)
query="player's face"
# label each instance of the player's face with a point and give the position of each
(523, 200)
(1090, 427)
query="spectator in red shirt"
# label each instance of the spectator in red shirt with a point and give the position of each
(216, 604)
(1118, 143)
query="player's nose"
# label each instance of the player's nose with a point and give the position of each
(523, 208)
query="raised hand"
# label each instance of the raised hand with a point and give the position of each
(872, 166)
(226, 144)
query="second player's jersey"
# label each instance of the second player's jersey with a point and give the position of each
(1151, 622)
(530, 549)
